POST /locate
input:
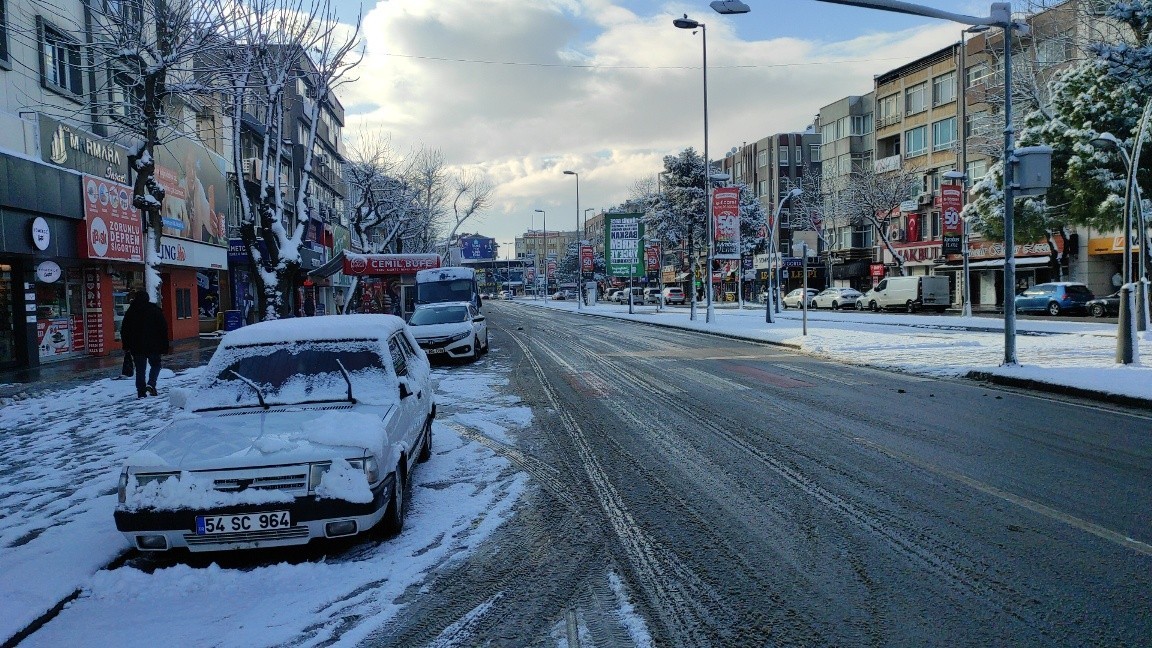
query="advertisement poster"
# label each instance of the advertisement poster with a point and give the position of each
(54, 336)
(726, 222)
(652, 258)
(951, 204)
(196, 201)
(587, 260)
(112, 226)
(624, 244)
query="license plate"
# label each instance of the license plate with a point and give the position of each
(212, 524)
(437, 351)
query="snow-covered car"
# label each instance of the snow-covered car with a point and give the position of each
(452, 330)
(298, 429)
(836, 298)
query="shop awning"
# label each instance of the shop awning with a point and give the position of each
(331, 267)
(997, 263)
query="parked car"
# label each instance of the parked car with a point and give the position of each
(1104, 306)
(652, 295)
(505, 294)
(450, 330)
(298, 429)
(560, 295)
(674, 295)
(1055, 298)
(907, 293)
(836, 298)
(621, 296)
(796, 299)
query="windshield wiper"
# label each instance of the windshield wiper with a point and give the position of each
(347, 379)
(259, 394)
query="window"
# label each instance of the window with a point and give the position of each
(944, 89)
(1054, 50)
(814, 153)
(862, 124)
(3, 31)
(762, 188)
(784, 155)
(887, 111)
(59, 61)
(916, 98)
(916, 141)
(762, 158)
(183, 303)
(976, 74)
(399, 359)
(977, 169)
(944, 134)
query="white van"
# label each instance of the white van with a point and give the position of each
(908, 293)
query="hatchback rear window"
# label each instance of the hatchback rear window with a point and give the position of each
(1079, 291)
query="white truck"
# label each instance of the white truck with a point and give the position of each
(451, 284)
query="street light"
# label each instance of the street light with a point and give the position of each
(579, 271)
(770, 300)
(688, 23)
(1000, 15)
(545, 264)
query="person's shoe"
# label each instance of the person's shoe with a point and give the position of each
(152, 391)
(141, 394)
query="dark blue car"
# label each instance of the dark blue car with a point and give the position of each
(1054, 298)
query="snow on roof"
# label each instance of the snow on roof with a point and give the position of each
(321, 327)
(445, 274)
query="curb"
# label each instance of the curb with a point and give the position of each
(1055, 388)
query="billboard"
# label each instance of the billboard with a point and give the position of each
(726, 222)
(951, 204)
(112, 228)
(623, 245)
(477, 248)
(587, 260)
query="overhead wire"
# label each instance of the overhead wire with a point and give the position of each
(634, 67)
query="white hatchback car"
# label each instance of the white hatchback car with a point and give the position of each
(450, 330)
(836, 298)
(298, 429)
(795, 298)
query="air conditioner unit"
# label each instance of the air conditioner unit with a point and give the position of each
(898, 235)
(252, 169)
(924, 199)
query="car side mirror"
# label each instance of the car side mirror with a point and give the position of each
(404, 391)
(478, 318)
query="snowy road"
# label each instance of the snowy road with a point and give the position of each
(605, 483)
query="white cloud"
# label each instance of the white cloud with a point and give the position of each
(524, 90)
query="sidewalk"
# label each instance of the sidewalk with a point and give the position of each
(65, 373)
(1075, 358)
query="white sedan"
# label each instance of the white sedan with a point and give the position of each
(450, 330)
(299, 429)
(836, 298)
(795, 299)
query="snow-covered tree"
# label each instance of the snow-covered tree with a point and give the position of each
(142, 62)
(386, 207)
(873, 200)
(275, 47)
(469, 194)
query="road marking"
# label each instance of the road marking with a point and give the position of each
(775, 380)
(1034, 506)
(816, 374)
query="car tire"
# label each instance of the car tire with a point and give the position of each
(487, 343)
(1053, 309)
(426, 446)
(874, 307)
(910, 306)
(393, 521)
(475, 348)
(1098, 310)
(835, 306)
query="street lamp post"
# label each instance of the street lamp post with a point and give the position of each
(579, 272)
(688, 23)
(544, 266)
(1000, 15)
(770, 300)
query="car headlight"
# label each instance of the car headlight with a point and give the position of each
(370, 467)
(122, 487)
(143, 479)
(460, 336)
(315, 473)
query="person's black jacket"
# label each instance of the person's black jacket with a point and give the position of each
(144, 330)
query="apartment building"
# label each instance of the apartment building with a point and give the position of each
(847, 129)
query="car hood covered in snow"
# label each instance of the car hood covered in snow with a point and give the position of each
(256, 437)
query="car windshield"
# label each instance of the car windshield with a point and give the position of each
(1079, 291)
(448, 315)
(443, 291)
(287, 373)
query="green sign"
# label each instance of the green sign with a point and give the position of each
(624, 245)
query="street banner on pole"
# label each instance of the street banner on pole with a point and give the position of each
(951, 204)
(624, 244)
(652, 258)
(726, 222)
(587, 261)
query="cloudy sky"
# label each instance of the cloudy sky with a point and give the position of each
(522, 90)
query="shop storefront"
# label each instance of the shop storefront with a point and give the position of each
(186, 266)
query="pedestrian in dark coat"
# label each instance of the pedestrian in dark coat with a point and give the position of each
(144, 334)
